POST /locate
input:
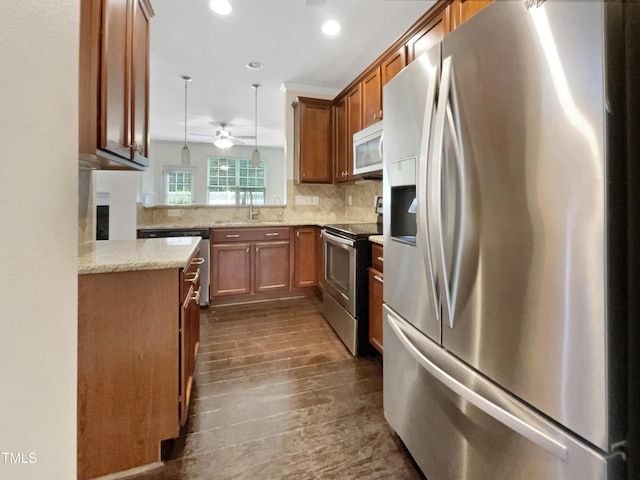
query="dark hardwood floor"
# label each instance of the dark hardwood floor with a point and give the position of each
(277, 396)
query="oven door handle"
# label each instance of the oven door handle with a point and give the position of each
(334, 239)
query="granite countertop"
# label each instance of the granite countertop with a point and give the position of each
(376, 239)
(143, 254)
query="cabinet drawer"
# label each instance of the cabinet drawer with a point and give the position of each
(190, 276)
(277, 233)
(377, 260)
(226, 235)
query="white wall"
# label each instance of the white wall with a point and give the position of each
(38, 240)
(122, 188)
(163, 153)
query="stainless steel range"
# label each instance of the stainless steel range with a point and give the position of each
(347, 254)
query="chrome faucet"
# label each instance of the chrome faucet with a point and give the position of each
(252, 213)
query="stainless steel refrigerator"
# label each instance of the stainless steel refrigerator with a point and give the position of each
(504, 242)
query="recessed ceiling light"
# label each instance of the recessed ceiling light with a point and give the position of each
(255, 65)
(331, 28)
(221, 7)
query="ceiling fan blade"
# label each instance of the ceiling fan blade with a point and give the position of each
(245, 137)
(202, 135)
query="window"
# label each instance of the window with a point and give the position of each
(229, 178)
(179, 185)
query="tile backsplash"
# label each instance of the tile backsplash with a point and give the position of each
(305, 203)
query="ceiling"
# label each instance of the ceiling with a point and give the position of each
(187, 38)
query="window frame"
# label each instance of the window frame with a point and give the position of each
(166, 169)
(237, 186)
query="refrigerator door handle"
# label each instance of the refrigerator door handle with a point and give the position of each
(506, 418)
(422, 217)
(453, 198)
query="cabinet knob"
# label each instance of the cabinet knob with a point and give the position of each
(378, 278)
(375, 116)
(304, 174)
(380, 114)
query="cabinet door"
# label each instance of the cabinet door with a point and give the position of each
(393, 64)
(189, 319)
(371, 98)
(230, 269)
(140, 79)
(432, 33)
(463, 10)
(375, 308)
(271, 264)
(305, 256)
(313, 141)
(354, 124)
(320, 257)
(340, 140)
(114, 99)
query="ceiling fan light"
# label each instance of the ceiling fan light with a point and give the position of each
(223, 143)
(221, 7)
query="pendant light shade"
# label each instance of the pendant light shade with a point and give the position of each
(186, 154)
(255, 156)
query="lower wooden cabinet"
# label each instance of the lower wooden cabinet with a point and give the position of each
(250, 261)
(306, 256)
(272, 272)
(230, 268)
(189, 332)
(376, 284)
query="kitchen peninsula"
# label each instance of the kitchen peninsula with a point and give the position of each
(137, 341)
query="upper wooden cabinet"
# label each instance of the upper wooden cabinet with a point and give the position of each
(353, 102)
(340, 140)
(392, 64)
(463, 10)
(432, 32)
(372, 97)
(312, 140)
(114, 82)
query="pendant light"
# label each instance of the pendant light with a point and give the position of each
(186, 154)
(255, 156)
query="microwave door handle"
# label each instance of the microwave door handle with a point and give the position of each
(422, 217)
(380, 146)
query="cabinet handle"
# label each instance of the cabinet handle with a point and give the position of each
(196, 297)
(247, 249)
(272, 234)
(197, 261)
(378, 278)
(344, 174)
(304, 174)
(232, 236)
(257, 249)
(380, 259)
(195, 277)
(140, 149)
(297, 234)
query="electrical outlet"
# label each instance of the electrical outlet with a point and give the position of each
(172, 212)
(315, 200)
(349, 200)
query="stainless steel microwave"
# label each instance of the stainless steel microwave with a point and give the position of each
(367, 150)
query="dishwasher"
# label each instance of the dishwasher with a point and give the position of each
(204, 251)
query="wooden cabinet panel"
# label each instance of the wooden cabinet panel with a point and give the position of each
(377, 258)
(271, 266)
(376, 281)
(230, 268)
(320, 257)
(140, 81)
(128, 368)
(354, 124)
(432, 33)
(189, 331)
(463, 10)
(313, 140)
(340, 140)
(305, 257)
(393, 64)
(114, 79)
(371, 98)
(114, 98)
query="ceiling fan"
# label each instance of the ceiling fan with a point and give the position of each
(224, 139)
